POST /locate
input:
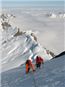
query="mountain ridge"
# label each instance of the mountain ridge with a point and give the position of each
(59, 55)
(18, 46)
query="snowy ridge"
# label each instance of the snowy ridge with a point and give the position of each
(17, 46)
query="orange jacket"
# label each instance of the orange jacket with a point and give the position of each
(29, 65)
(27, 68)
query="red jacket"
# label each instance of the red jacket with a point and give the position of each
(39, 60)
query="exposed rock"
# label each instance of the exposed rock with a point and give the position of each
(35, 38)
(18, 33)
(5, 25)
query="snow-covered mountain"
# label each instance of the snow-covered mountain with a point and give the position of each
(52, 74)
(17, 46)
(55, 15)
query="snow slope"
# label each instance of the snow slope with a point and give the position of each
(52, 74)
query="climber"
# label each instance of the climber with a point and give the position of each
(29, 66)
(39, 61)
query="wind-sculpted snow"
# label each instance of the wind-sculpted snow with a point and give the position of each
(18, 49)
(17, 46)
(52, 74)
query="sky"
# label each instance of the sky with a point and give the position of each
(32, 3)
(5, 1)
(32, 0)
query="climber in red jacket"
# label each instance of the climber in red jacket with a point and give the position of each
(39, 61)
